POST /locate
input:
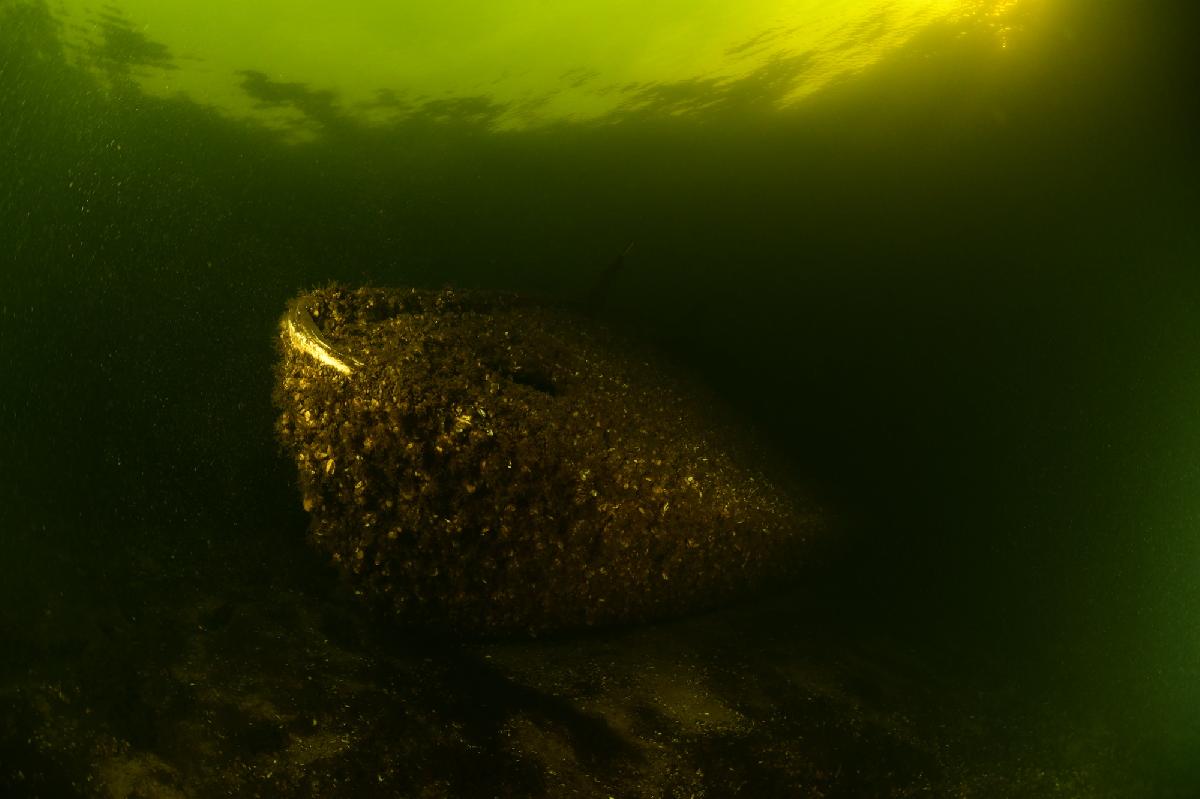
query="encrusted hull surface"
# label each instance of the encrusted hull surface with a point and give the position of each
(485, 463)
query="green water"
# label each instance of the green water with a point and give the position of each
(945, 253)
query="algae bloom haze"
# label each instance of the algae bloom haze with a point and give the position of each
(938, 259)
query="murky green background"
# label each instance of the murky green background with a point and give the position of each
(945, 253)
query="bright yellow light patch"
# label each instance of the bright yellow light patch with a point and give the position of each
(520, 63)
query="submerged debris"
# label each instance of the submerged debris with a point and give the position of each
(487, 463)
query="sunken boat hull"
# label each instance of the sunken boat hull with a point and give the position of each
(485, 463)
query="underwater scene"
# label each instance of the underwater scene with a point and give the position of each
(781, 398)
